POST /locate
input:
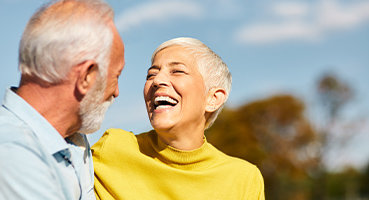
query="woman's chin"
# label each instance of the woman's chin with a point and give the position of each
(163, 125)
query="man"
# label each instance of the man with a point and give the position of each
(70, 57)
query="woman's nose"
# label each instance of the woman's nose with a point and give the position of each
(161, 79)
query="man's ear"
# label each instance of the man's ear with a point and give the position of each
(215, 99)
(88, 72)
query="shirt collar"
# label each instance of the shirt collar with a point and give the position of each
(44, 131)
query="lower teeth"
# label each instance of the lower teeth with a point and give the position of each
(163, 106)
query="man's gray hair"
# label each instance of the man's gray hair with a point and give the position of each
(212, 68)
(63, 34)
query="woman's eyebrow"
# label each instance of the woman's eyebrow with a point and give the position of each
(153, 67)
(171, 64)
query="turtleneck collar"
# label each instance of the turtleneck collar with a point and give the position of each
(196, 159)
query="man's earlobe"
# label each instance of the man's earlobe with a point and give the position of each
(88, 72)
(215, 99)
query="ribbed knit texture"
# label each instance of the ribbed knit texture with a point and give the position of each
(142, 167)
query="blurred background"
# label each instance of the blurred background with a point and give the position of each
(299, 103)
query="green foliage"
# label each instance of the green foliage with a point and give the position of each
(364, 182)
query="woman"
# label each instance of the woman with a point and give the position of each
(186, 87)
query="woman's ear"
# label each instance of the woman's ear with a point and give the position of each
(88, 72)
(215, 99)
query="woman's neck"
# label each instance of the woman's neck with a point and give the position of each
(183, 140)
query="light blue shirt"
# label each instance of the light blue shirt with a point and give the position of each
(36, 162)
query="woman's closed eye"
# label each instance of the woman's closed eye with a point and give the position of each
(150, 75)
(178, 71)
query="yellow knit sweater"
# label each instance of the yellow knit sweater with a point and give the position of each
(144, 168)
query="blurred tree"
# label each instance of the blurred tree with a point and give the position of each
(364, 183)
(275, 135)
(333, 134)
(344, 184)
(333, 95)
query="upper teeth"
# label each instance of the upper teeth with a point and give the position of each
(164, 98)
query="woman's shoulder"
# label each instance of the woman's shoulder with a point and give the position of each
(246, 172)
(242, 166)
(118, 133)
(240, 163)
(117, 136)
(113, 140)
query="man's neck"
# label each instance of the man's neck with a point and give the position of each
(54, 104)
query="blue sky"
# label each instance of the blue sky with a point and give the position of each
(270, 46)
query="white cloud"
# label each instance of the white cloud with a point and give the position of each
(305, 22)
(332, 15)
(291, 9)
(268, 33)
(156, 11)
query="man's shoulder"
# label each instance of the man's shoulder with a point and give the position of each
(17, 140)
(13, 129)
(24, 166)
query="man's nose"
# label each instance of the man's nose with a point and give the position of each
(116, 92)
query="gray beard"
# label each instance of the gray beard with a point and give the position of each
(92, 110)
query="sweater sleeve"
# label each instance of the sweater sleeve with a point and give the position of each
(254, 185)
(108, 143)
(260, 182)
(98, 152)
(106, 153)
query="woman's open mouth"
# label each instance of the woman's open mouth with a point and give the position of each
(162, 102)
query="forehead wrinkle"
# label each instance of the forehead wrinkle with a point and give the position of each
(175, 63)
